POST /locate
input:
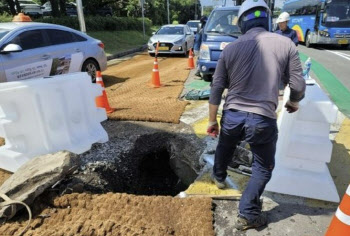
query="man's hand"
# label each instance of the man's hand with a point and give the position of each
(292, 106)
(213, 129)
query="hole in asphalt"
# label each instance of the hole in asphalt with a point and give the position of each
(147, 169)
(156, 176)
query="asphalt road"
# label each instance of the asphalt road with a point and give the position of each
(334, 59)
(331, 68)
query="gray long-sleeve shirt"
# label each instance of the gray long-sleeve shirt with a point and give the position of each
(251, 68)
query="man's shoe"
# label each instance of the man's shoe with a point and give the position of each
(220, 185)
(243, 224)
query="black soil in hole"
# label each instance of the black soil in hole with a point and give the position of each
(156, 177)
(150, 173)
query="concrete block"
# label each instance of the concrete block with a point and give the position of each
(34, 177)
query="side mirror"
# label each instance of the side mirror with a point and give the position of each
(11, 48)
(153, 33)
(188, 33)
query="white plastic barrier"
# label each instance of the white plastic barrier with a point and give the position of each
(47, 115)
(304, 148)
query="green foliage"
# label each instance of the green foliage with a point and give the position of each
(118, 41)
(5, 17)
(99, 23)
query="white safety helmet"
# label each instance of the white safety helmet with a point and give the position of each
(250, 4)
(283, 17)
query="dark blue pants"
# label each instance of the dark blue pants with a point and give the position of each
(261, 134)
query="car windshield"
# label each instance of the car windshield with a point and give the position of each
(337, 14)
(223, 22)
(193, 24)
(3, 32)
(171, 30)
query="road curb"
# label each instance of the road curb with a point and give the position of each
(130, 51)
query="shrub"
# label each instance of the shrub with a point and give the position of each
(5, 17)
(99, 23)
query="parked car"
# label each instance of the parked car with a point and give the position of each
(174, 39)
(29, 50)
(194, 25)
(31, 8)
(71, 10)
(220, 30)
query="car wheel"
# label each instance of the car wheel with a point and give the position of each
(307, 41)
(90, 66)
(207, 78)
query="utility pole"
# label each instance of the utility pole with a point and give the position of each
(81, 16)
(168, 12)
(143, 17)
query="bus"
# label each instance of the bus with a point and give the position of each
(320, 21)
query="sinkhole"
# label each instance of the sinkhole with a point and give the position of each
(148, 170)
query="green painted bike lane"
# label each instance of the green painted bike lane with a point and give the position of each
(339, 94)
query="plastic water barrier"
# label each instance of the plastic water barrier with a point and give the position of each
(47, 115)
(304, 148)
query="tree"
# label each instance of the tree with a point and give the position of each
(54, 8)
(12, 8)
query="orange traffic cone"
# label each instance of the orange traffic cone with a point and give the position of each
(102, 101)
(190, 60)
(340, 225)
(155, 74)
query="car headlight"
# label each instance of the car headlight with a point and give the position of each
(324, 33)
(179, 41)
(204, 52)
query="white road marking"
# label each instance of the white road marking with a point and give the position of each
(343, 55)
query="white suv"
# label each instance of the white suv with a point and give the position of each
(30, 8)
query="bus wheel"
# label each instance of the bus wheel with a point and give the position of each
(307, 41)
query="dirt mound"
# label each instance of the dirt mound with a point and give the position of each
(129, 91)
(119, 214)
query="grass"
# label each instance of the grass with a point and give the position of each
(119, 41)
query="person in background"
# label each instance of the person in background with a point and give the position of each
(284, 30)
(250, 68)
(198, 40)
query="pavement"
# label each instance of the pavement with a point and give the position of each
(288, 215)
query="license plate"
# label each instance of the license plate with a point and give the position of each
(343, 41)
(163, 48)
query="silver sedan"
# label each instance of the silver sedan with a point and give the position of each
(33, 50)
(173, 39)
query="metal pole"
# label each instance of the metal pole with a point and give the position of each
(143, 19)
(81, 16)
(202, 12)
(168, 12)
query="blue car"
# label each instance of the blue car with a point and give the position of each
(220, 30)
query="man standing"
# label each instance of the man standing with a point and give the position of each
(284, 30)
(198, 41)
(250, 68)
